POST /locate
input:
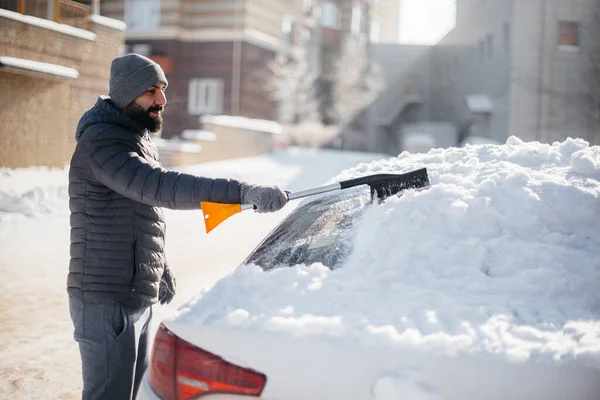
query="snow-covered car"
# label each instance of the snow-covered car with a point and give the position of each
(482, 286)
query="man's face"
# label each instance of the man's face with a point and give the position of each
(147, 109)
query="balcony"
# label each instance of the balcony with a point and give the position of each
(66, 12)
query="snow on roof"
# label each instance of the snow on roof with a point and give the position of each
(47, 24)
(199, 134)
(39, 67)
(499, 255)
(177, 145)
(108, 22)
(262, 125)
(479, 103)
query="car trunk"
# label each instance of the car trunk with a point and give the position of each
(329, 368)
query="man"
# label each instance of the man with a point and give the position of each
(117, 187)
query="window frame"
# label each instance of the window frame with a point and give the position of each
(576, 33)
(143, 49)
(329, 11)
(132, 13)
(205, 96)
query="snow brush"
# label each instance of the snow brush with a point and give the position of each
(382, 185)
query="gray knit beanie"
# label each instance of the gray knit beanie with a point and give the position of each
(130, 76)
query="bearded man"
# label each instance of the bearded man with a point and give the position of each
(117, 188)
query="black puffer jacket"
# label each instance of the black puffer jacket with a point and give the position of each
(116, 189)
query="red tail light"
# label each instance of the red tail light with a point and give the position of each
(180, 371)
(161, 373)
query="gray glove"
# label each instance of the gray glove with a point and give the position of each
(166, 290)
(265, 198)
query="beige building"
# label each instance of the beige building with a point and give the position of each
(521, 68)
(53, 65)
(527, 68)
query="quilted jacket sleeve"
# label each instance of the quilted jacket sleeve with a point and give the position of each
(119, 167)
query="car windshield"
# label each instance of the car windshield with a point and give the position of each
(318, 231)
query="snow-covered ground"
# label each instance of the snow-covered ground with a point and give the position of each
(38, 357)
(500, 256)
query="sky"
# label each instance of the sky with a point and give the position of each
(426, 21)
(489, 274)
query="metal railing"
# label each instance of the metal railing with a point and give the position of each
(62, 11)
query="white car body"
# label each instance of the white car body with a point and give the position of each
(301, 369)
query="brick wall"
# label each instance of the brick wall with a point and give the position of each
(39, 114)
(34, 121)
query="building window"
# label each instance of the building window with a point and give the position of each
(143, 49)
(356, 20)
(330, 15)
(287, 30)
(205, 96)
(375, 32)
(142, 15)
(569, 34)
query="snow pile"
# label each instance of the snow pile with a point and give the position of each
(500, 255)
(253, 124)
(24, 194)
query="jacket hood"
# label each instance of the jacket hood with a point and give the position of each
(105, 112)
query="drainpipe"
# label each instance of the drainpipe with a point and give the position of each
(237, 57)
(540, 97)
(373, 138)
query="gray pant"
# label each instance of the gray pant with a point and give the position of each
(113, 342)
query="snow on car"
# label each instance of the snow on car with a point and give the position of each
(482, 286)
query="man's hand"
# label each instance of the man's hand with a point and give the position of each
(265, 198)
(166, 290)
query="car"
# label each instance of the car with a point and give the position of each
(307, 235)
(477, 287)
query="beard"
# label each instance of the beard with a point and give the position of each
(142, 117)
